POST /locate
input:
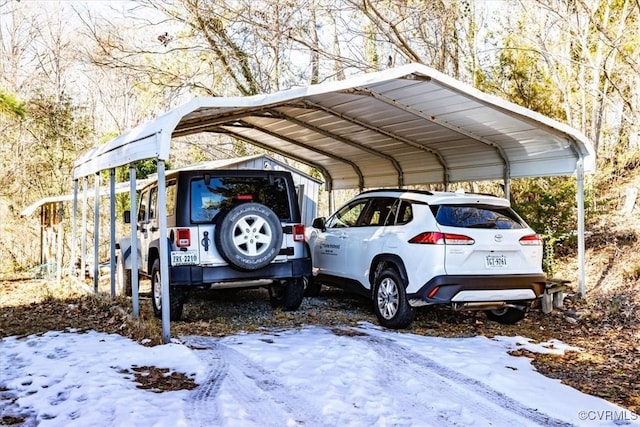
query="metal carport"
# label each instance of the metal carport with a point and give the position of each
(404, 126)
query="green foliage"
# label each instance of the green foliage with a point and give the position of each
(547, 204)
(522, 77)
(10, 105)
(549, 207)
(58, 132)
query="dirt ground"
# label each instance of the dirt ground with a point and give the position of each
(606, 329)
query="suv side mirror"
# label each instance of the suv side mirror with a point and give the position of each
(319, 223)
(127, 217)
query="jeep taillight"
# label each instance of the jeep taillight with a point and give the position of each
(437, 238)
(183, 237)
(531, 240)
(298, 233)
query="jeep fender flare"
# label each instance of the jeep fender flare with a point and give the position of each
(123, 249)
(391, 260)
(154, 252)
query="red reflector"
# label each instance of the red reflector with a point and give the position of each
(244, 197)
(298, 233)
(183, 237)
(437, 238)
(531, 240)
(433, 292)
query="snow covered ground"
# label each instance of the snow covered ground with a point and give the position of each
(315, 376)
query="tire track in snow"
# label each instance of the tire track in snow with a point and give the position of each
(262, 397)
(482, 398)
(203, 406)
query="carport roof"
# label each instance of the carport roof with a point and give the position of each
(403, 126)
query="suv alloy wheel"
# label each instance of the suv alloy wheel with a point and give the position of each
(390, 300)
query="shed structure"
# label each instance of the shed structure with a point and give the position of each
(404, 126)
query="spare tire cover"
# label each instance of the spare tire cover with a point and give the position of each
(248, 236)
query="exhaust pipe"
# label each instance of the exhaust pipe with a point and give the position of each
(490, 305)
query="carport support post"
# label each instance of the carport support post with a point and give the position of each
(581, 248)
(134, 241)
(83, 244)
(60, 228)
(112, 240)
(74, 226)
(96, 231)
(164, 251)
(507, 189)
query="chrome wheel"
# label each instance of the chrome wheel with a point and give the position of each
(388, 298)
(157, 290)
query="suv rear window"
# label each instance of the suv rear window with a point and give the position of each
(477, 216)
(222, 193)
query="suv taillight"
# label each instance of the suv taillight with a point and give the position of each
(298, 233)
(183, 237)
(437, 238)
(531, 240)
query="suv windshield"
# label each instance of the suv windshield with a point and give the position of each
(477, 216)
(222, 193)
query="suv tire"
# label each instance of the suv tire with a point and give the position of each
(249, 236)
(123, 278)
(390, 300)
(313, 287)
(176, 299)
(287, 296)
(507, 315)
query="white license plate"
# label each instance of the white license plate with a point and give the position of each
(495, 261)
(184, 258)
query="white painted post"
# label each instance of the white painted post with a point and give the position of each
(60, 230)
(74, 226)
(96, 232)
(581, 248)
(112, 240)
(134, 241)
(83, 256)
(161, 209)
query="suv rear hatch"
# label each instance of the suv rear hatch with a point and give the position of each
(213, 196)
(487, 239)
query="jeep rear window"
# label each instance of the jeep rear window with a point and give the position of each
(223, 193)
(477, 216)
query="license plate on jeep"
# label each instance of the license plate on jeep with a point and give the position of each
(495, 261)
(184, 258)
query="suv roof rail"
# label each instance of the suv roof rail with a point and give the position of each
(397, 190)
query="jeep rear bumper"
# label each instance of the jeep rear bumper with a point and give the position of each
(469, 289)
(198, 276)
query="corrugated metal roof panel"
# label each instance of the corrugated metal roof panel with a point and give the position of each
(395, 127)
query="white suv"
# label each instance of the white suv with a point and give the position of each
(408, 248)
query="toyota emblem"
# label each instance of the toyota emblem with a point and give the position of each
(498, 237)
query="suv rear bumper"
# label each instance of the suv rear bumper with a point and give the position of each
(452, 289)
(196, 275)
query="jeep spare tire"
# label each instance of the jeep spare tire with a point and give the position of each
(248, 236)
